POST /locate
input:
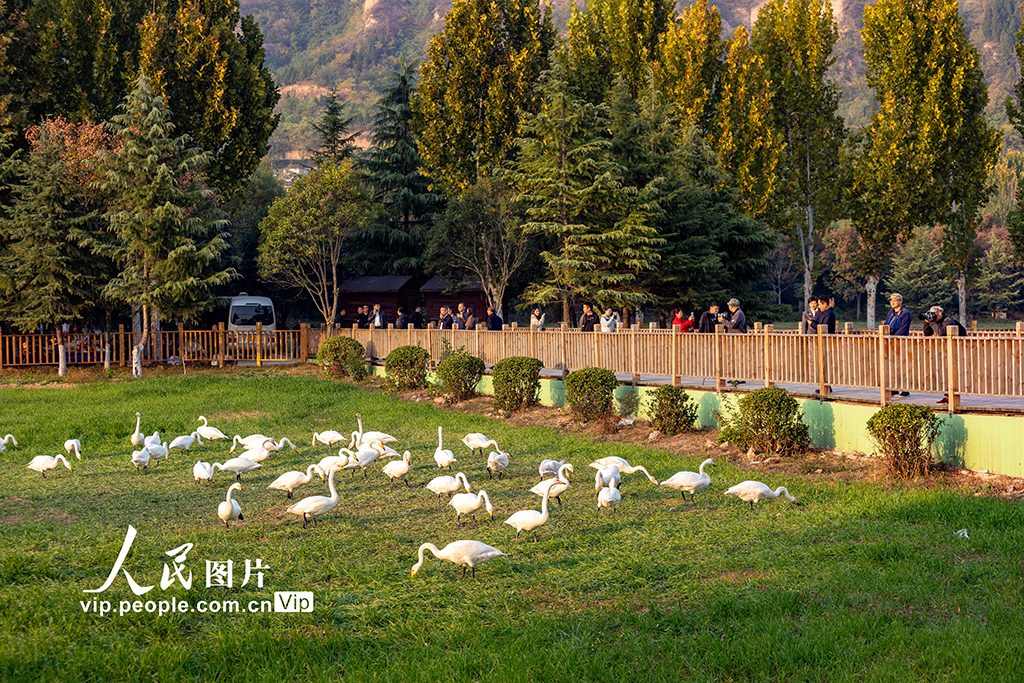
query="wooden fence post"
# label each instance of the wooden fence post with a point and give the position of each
(223, 339)
(1, 350)
(883, 334)
(120, 344)
(719, 380)
(303, 342)
(634, 330)
(597, 347)
(676, 331)
(476, 340)
(533, 341)
(769, 330)
(823, 390)
(259, 345)
(952, 382)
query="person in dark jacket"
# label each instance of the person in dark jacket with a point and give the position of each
(936, 322)
(416, 318)
(589, 319)
(362, 320)
(826, 315)
(340, 318)
(494, 321)
(898, 322)
(737, 321)
(402, 321)
(708, 319)
(810, 315)
(446, 321)
(379, 318)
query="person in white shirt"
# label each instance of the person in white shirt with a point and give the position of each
(610, 320)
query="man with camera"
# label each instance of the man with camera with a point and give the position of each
(736, 320)
(935, 323)
(708, 319)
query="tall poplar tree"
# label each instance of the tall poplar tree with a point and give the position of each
(692, 63)
(476, 85)
(794, 39)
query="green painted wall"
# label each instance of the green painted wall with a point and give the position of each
(977, 441)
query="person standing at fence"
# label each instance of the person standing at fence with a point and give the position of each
(687, 325)
(935, 324)
(537, 320)
(471, 319)
(416, 318)
(402, 321)
(610, 320)
(445, 319)
(709, 319)
(737, 321)
(898, 321)
(826, 314)
(340, 319)
(379, 317)
(810, 315)
(362, 320)
(677, 317)
(588, 320)
(494, 321)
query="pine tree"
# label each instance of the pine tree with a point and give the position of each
(918, 273)
(336, 143)
(169, 229)
(999, 286)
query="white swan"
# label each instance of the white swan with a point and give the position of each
(624, 467)
(208, 432)
(361, 438)
(311, 506)
(365, 457)
(465, 553)
(152, 438)
(754, 492)
(237, 465)
(137, 437)
(398, 469)
(230, 509)
(690, 481)
(328, 438)
(261, 453)
(340, 460)
(183, 443)
(529, 520)
(609, 497)
(447, 485)
(478, 442)
(6, 440)
(141, 459)
(607, 477)
(549, 468)
(42, 463)
(289, 481)
(556, 486)
(202, 471)
(497, 462)
(157, 452)
(251, 441)
(73, 445)
(443, 458)
(469, 503)
(279, 444)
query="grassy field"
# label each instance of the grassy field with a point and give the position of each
(864, 582)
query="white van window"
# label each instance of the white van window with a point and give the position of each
(250, 314)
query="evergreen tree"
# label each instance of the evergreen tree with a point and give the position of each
(999, 286)
(169, 229)
(476, 85)
(245, 210)
(918, 274)
(335, 142)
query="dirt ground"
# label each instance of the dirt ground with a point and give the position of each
(830, 465)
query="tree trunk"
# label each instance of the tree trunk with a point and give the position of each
(62, 353)
(961, 290)
(857, 295)
(566, 311)
(870, 287)
(106, 342)
(141, 348)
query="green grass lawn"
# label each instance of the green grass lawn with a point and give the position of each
(862, 583)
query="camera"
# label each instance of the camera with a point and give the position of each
(928, 317)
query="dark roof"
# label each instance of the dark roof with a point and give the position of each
(437, 284)
(375, 284)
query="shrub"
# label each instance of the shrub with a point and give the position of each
(406, 368)
(589, 393)
(904, 435)
(674, 411)
(460, 373)
(516, 383)
(342, 357)
(767, 420)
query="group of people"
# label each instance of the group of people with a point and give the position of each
(733, 321)
(820, 313)
(464, 318)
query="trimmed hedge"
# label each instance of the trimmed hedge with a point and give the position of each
(904, 435)
(342, 357)
(460, 373)
(767, 420)
(406, 368)
(589, 393)
(516, 383)
(674, 411)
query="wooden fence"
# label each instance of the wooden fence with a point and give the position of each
(987, 364)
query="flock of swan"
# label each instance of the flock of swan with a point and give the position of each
(364, 448)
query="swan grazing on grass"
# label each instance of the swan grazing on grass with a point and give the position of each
(279, 444)
(237, 465)
(469, 503)
(549, 468)
(398, 469)
(447, 485)
(609, 497)
(690, 481)
(6, 440)
(289, 481)
(442, 456)
(73, 446)
(251, 441)
(360, 438)
(138, 439)
(465, 553)
(328, 438)
(202, 471)
(157, 452)
(366, 456)
(42, 463)
(207, 432)
(311, 506)
(230, 509)
(261, 453)
(141, 459)
(478, 442)
(530, 520)
(607, 477)
(624, 467)
(183, 443)
(557, 486)
(754, 492)
(497, 462)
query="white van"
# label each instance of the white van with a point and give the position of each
(246, 311)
